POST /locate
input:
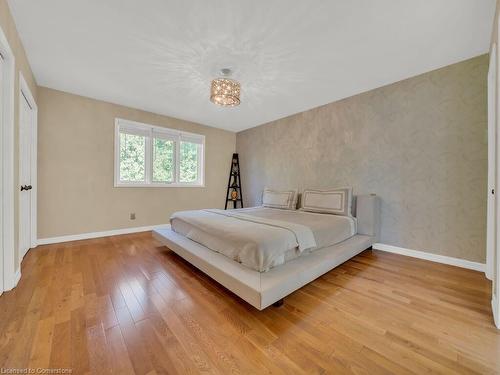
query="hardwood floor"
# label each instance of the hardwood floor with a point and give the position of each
(126, 305)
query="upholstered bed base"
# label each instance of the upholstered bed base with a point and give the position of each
(263, 289)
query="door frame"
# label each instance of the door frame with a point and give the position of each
(491, 198)
(493, 223)
(10, 275)
(25, 94)
(495, 298)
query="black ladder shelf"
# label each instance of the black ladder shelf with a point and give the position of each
(233, 193)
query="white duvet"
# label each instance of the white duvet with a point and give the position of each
(262, 238)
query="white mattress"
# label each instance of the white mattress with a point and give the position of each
(327, 230)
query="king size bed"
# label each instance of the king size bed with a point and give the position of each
(262, 254)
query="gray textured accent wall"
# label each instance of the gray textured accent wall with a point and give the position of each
(420, 144)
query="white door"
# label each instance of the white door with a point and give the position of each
(25, 180)
(493, 221)
(491, 211)
(494, 138)
(2, 127)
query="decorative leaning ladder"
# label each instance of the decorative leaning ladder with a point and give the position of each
(233, 193)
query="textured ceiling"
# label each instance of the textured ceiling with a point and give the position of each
(290, 56)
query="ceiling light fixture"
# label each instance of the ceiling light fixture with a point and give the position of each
(225, 91)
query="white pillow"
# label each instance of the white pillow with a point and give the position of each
(285, 199)
(335, 201)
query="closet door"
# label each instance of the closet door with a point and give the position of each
(493, 222)
(25, 157)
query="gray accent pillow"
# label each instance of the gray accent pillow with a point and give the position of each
(285, 199)
(335, 201)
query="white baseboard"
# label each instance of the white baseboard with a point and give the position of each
(494, 308)
(432, 257)
(86, 236)
(489, 273)
(15, 279)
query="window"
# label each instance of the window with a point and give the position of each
(147, 155)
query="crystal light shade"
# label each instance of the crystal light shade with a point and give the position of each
(225, 92)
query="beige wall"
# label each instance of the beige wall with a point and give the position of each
(421, 144)
(75, 169)
(9, 29)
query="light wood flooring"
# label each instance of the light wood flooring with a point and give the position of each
(126, 305)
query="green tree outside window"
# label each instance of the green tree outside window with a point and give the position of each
(163, 160)
(132, 157)
(188, 162)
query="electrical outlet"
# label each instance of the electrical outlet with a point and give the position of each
(132, 216)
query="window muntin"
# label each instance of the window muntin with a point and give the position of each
(147, 155)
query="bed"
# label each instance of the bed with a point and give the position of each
(264, 254)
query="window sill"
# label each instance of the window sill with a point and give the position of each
(157, 185)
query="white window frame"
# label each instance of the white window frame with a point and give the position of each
(166, 133)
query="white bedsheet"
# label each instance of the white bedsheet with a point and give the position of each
(303, 234)
(262, 238)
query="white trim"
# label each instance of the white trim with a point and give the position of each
(156, 184)
(494, 307)
(149, 132)
(431, 257)
(25, 91)
(490, 216)
(12, 283)
(496, 256)
(7, 139)
(160, 129)
(108, 233)
(177, 161)
(15, 280)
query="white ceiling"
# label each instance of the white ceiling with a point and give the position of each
(290, 56)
